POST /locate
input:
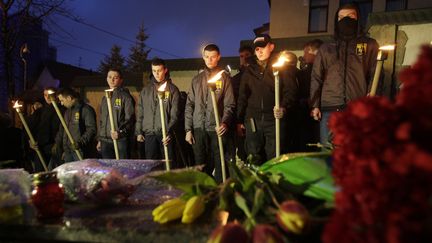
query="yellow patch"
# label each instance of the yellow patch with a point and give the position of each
(219, 84)
(167, 94)
(77, 116)
(117, 102)
(361, 49)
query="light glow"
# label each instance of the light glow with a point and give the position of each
(217, 77)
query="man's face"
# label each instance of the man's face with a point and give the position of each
(263, 53)
(159, 72)
(243, 56)
(46, 97)
(309, 54)
(114, 79)
(352, 13)
(211, 58)
(66, 101)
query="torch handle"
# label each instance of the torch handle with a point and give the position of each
(32, 140)
(277, 120)
(164, 132)
(376, 78)
(111, 118)
(221, 150)
(66, 129)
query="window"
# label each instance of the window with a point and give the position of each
(395, 5)
(365, 7)
(318, 12)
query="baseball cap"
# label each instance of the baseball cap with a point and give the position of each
(261, 40)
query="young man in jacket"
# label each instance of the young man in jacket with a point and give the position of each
(256, 111)
(123, 109)
(200, 124)
(343, 69)
(80, 119)
(148, 126)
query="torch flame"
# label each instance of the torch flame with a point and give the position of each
(387, 48)
(162, 87)
(216, 77)
(281, 60)
(50, 92)
(109, 90)
(16, 105)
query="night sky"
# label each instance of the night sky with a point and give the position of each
(176, 28)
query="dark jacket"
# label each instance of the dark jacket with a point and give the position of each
(44, 125)
(199, 107)
(123, 108)
(81, 122)
(148, 112)
(343, 71)
(257, 91)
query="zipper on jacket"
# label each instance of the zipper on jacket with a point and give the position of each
(345, 71)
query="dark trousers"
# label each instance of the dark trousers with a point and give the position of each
(206, 152)
(309, 131)
(107, 149)
(261, 143)
(154, 149)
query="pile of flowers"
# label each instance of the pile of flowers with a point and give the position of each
(382, 160)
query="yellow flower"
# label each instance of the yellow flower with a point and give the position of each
(292, 217)
(194, 208)
(169, 210)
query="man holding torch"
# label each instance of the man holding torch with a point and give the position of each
(148, 126)
(123, 112)
(200, 122)
(80, 119)
(256, 110)
(343, 69)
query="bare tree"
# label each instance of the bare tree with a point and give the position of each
(15, 16)
(138, 53)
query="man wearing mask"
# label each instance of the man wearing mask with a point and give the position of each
(256, 111)
(343, 68)
(148, 127)
(200, 124)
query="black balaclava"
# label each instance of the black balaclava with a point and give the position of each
(347, 28)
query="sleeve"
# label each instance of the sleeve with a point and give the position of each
(290, 88)
(228, 102)
(317, 79)
(190, 106)
(127, 125)
(174, 112)
(101, 110)
(89, 119)
(139, 114)
(244, 94)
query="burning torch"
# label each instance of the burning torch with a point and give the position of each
(108, 95)
(161, 97)
(276, 68)
(62, 121)
(17, 107)
(381, 57)
(212, 87)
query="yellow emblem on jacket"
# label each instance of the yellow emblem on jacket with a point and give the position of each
(219, 84)
(361, 49)
(77, 116)
(117, 102)
(167, 94)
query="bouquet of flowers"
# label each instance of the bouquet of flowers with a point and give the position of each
(382, 160)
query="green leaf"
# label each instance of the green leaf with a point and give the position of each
(188, 181)
(258, 201)
(241, 203)
(307, 170)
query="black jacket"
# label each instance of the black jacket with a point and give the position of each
(148, 112)
(257, 91)
(81, 122)
(44, 125)
(199, 108)
(343, 71)
(123, 108)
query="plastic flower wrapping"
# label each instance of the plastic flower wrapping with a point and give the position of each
(102, 181)
(14, 192)
(382, 161)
